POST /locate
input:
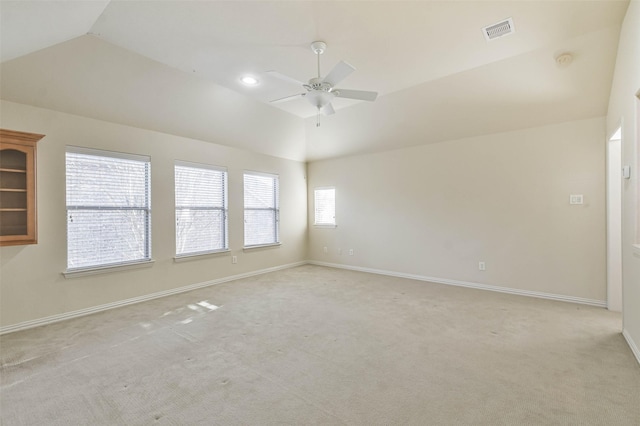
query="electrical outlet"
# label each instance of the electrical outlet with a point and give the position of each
(326, 250)
(234, 259)
(339, 251)
(350, 252)
(482, 266)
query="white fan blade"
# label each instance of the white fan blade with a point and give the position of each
(361, 95)
(287, 98)
(281, 76)
(328, 109)
(339, 73)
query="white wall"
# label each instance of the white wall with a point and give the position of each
(622, 108)
(32, 286)
(437, 210)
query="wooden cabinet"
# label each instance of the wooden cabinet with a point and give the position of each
(18, 187)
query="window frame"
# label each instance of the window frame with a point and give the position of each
(146, 259)
(224, 209)
(275, 209)
(315, 208)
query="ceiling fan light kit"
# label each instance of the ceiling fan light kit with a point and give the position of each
(321, 91)
(318, 47)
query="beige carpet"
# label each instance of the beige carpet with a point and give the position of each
(314, 345)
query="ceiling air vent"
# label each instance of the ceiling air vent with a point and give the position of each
(500, 29)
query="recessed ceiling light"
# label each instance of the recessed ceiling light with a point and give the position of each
(249, 80)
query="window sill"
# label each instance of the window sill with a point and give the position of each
(324, 225)
(635, 249)
(261, 246)
(199, 255)
(82, 272)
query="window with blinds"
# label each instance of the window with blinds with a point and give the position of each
(325, 206)
(261, 209)
(108, 208)
(201, 209)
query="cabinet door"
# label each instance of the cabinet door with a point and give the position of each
(18, 188)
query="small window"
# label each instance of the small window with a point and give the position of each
(261, 209)
(325, 206)
(108, 208)
(201, 209)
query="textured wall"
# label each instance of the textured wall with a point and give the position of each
(437, 210)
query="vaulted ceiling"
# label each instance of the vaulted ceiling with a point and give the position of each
(175, 67)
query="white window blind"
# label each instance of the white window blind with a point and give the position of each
(325, 206)
(201, 209)
(108, 208)
(261, 209)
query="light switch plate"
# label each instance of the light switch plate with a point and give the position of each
(626, 172)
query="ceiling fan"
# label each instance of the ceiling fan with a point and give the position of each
(321, 91)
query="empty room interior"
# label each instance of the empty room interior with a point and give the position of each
(319, 212)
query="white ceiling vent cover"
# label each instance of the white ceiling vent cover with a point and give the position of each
(498, 30)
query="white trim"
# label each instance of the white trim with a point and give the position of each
(103, 153)
(324, 225)
(262, 174)
(91, 310)
(614, 197)
(632, 345)
(83, 272)
(541, 295)
(617, 133)
(191, 165)
(261, 246)
(201, 254)
(94, 309)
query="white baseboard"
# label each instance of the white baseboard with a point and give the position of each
(541, 295)
(94, 309)
(632, 345)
